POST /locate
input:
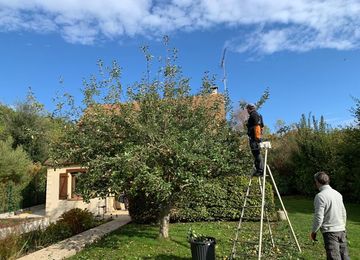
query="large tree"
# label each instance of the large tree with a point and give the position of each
(162, 139)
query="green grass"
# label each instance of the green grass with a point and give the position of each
(140, 241)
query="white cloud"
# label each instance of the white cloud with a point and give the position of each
(293, 25)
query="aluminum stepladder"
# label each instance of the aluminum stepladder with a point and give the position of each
(262, 187)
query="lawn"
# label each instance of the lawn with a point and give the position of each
(140, 241)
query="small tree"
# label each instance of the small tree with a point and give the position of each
(5, 114)
(14, 174)
(240, 116)
(161, 140)
(356, 110)
(29, 127)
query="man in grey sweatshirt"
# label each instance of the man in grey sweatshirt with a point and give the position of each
(330, 218)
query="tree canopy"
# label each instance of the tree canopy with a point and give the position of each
(162, 140)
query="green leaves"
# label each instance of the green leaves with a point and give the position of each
(15, 164)
(157, 143)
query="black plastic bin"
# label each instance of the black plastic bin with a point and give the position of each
(203, 249)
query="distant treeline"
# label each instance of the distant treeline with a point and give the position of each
(25, 133)
(310, 146)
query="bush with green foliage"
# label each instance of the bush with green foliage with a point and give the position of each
(348, 182)
(71, 223)
(56, 232)
(15, 166)
(78, 220)
(11, 247)
(313, 146)
(282, 163)
(40, 238)
(309, 147)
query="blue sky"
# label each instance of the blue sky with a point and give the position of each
(306, 52)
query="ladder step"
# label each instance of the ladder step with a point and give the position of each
(251, 218)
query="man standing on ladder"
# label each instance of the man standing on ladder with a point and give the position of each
(254, 130)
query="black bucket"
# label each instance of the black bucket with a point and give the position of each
(203, 248)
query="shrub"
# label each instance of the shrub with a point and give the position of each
(282, 163)
(348, 151)
(55, 232)
(71, 222)
(78, 220)
(11, 247)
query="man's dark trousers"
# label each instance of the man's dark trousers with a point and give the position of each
(255, 149)
(336, 245)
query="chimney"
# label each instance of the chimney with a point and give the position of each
(214, 89)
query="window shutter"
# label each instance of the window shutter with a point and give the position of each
(63, 186)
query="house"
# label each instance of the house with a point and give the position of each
(61, 196)
(61, 182)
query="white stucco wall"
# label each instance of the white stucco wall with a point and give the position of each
(55, 207)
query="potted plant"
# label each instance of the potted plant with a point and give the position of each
(202, 247)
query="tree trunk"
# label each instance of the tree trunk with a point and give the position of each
(164, 224)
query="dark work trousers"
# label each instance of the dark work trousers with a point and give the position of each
(258, 160)
(336, 245)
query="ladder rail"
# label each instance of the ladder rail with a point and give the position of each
(233, 251)
(264, 211)
(267, 217)
(262, 206)
(283, 207)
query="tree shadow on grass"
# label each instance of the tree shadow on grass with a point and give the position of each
(138, 230)
(186, 245)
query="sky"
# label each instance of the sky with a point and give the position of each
(306, 52)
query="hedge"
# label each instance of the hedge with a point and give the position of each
(217, 199)
(10, 197)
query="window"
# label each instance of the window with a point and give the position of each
(74, 178)
(67, 184)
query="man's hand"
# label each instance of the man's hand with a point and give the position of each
(313, 236)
